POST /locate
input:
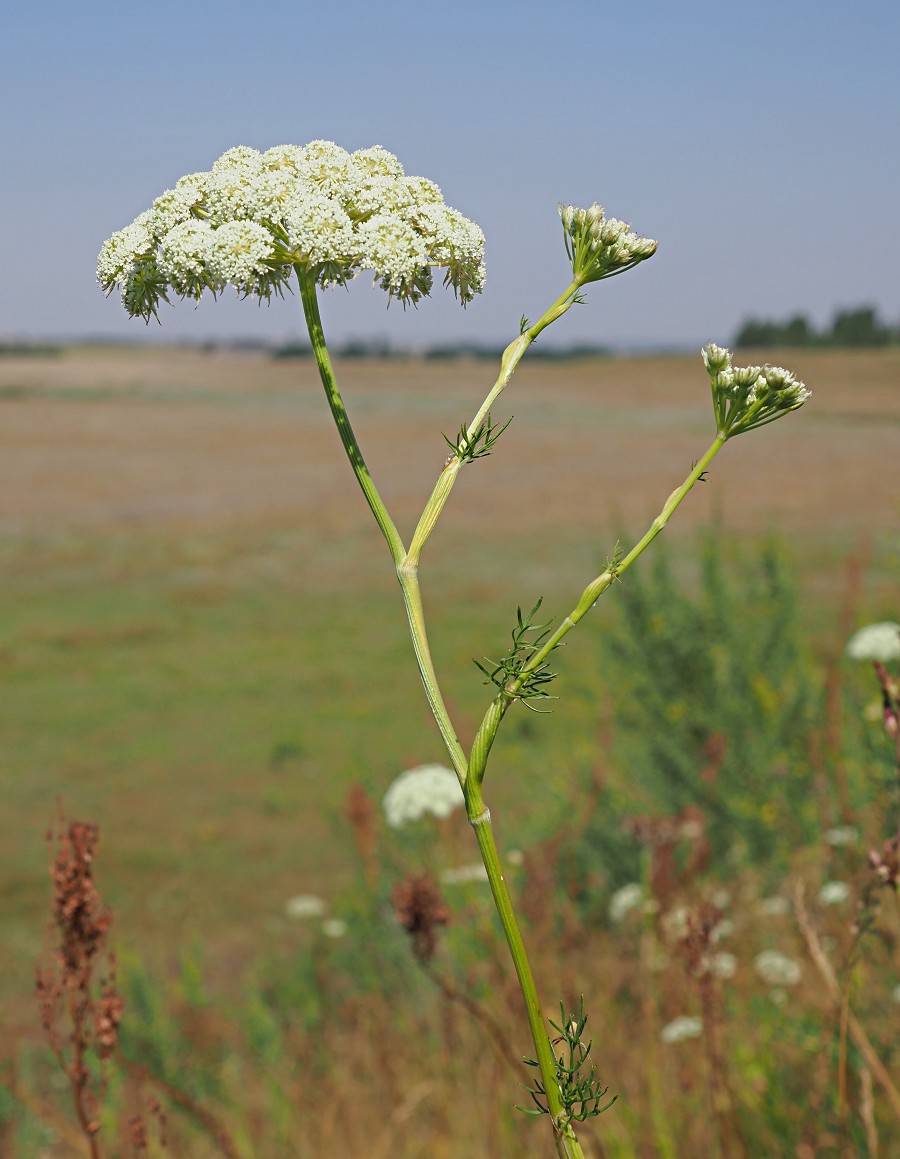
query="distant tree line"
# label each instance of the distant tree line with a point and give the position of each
(378, 348)
(856, 327)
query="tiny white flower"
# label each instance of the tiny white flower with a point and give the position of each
(841, 835)
(777, 969)
(675, 923)
(722, 965)
(722, 930)
(305, 905)
(515, 857)
(334, 928)
(772, 907)
(462, 874)
(680, 1029)
(875, 642)
(895, 994)
(834, 893)
(624, 900)
(417, 792)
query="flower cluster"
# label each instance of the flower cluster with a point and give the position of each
(777, 969)
(875, 642)
(417, 792)
(680, 1029)
(256, 217)
(746, 397)
(598, 246)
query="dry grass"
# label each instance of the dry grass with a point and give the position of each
(104, 439)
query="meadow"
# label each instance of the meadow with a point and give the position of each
(202, 649)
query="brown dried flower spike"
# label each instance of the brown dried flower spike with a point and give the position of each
(420, 909)
(66, 986)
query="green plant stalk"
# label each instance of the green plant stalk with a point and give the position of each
(567, 1144)
(406, 565)
(510, 359)
(341, 420)
(487, 731)
(406, 574)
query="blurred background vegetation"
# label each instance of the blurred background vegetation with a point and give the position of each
(230, 698)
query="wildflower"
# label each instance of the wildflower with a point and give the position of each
(305, 905)
(772, 907)
(624, 900)
(895, 994)
(777, 969)
(334, 928)
(722, 965)
(462, 874)
(255, 218)
(875, 642)
(599, 247)
(834, 893)
(680, 1029)
(427, 789)
(746, 397)
(676, 923)
(841, 835)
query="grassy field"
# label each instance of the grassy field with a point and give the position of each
(201, 642)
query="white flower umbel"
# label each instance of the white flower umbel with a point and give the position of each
(747, 397)
(464, 874)
(624, 900)
(304, 906)
(834, 893)
(777, 969)
(841, 835)
(428, 789)
(875, 642)
(680, 1029)
(317, 209)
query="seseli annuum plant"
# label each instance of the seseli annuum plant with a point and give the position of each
(315, 217)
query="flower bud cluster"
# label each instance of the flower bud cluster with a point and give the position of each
(746, 397)
(598, 246)
(255, 217)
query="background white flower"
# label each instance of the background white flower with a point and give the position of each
(772, 907)
(463, 874)
(681, 1028)
(777, 969)
(875, 642)
(834, 893)
(841, 835)
(427, 789)
(334, 928)
(305, 905)
(624, 900)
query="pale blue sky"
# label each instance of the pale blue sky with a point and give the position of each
(758, 142)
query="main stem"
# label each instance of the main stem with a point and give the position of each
(406, 566)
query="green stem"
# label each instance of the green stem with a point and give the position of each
(491, 722)
(412, 601)
(351, 446)
(510, 359)
(567, 1144)
(406, 565)
(406, 572)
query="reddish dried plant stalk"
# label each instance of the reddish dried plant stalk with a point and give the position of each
(80, 1009)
